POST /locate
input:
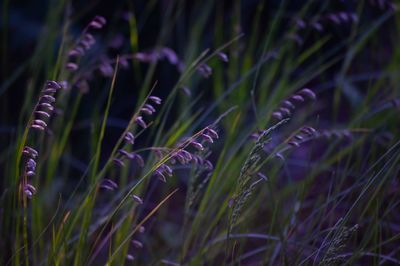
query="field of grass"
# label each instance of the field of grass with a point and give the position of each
(200, 132)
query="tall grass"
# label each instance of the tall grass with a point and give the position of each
(201, 133)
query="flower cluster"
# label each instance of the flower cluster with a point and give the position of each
(84, 43)
(289, 105)
(41, 115)
(304, 134)
(44, 108)
(184, 157)
(169, 54)
(147, 109)
(29, 171)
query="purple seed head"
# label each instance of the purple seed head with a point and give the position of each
(106, 69)
(137, 244)
(150, 107)
(130, 138)
(47, 105)
(297, 98)
(155, 99)
(137, 199)
(30, 173)
(48, 98)
(170, 55)
(130, 257)
(39, 122)
(158, 173)
(294, 143)
(139, 160)
(71, 66)
(42, 113)
(37, 127)
(285, 111)
(31, 164)
(139, 120)
(108, 184)
(207, 138)
(52, 84)
(262, 176)
(308, 93)
(30, 151)
(277, 115)
(212, 133)
(118, 162)
(209, 166)
(126, 154)
(288, 104)
(146, 111)
(197, 145)
(317, 26)
(223, 56)
(299, 137)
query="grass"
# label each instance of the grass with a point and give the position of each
(233, 161)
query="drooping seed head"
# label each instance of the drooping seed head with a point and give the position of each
(30, 151)
(118, 162)
(308, 93)
(297, 98)
(197, 145)
(207, 138)
(294, 143)
(137, 243)
(146, 111)
(285, 111)
(209, 166)
(130, 138)
(127, 154)
(30, 173)
(40, 123)
(155, 99)
(137, 199)
(37, 127)
(212, 133)
(262, 176)
(48, 98)
(150, 107)
(47, 106)
(223, 56)
(139, 120)
(139, 160)
(71, 66)
(277, 115)
(52, 84)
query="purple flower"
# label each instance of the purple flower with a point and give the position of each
(298, 98)
(29, 190)
(48, 98)
(130, 138)
(53, 84)
(137, 244)
(30, 151)
(137, 199)
(155, 99)
(277, 115)
(71, 66)
(197, 145)
(223, 56)
(118, 162)
(139, 120)
(308, 93)
(108, 184)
